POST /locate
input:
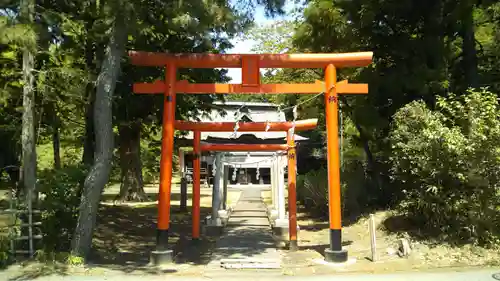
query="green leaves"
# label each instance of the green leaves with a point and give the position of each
(449, 160)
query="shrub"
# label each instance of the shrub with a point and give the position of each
(5, 256)
(61, 190)
(312, 190)
(448, 165)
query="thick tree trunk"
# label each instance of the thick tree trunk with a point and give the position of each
(28, 139)
(469, 45)
(99, 173)
(132, 184)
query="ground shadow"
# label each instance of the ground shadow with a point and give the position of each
(125, 237)
(153, 196)
(419, 231)
(321, 221)
(322, 247)
(41, 270)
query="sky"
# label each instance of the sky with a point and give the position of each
(244, 46)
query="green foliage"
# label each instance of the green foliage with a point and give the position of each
(47, 257)
(447, 163)
(61, 190)
(356, 195)
(275, 38)
(5, 256)
(312, 191)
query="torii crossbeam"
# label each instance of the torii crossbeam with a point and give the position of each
(250, 65)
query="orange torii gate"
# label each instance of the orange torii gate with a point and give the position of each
(198, 127)
(250, 65)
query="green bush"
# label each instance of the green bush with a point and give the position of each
(447, 163)
(61, 190)
(312, 190)
(4, 251)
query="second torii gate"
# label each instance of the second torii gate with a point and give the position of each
(289, 127)
(250, 65)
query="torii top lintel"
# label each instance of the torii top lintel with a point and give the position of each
(202, 60)
(250, 65)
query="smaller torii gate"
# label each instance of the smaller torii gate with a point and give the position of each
(289, 147)
(250, 65)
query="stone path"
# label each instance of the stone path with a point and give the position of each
(247, 241)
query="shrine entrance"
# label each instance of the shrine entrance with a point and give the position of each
(250, 65)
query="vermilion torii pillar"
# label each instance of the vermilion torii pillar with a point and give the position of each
(250, 65)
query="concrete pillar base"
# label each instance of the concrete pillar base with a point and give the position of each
(213, 227)
(281, 223)
(281, 229)
(213, 230)
(223, 215)
(293, 246)
(336, 256)
(159, 258)
(273, 215)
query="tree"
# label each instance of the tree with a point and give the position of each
(451, 165)
(99, 172)
(27, 11)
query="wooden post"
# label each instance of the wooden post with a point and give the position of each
(216, 190)
(281, 189)
(334, 253)
(182, 163)
(274, 205)
(225, 180)
(183, 203)
(292, 193)
(167, 149)
(373, 238)
(196, 185)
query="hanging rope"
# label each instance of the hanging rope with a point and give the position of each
(248, 163)
(237, 124)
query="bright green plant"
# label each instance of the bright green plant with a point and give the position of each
(447, 163)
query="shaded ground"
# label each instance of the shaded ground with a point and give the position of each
(125, 236)
(248, 233)
(314, 239)
(126, 233)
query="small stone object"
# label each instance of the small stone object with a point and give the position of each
(404, 248)
(391, 251)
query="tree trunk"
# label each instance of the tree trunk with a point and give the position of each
(99, 172)
(469, 45)
(372, 168)
(132, 184)
(28, 139)
(56, 139)
(89, 139)
(56, 144)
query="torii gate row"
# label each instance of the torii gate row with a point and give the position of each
(250, 65)
(198, 127)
